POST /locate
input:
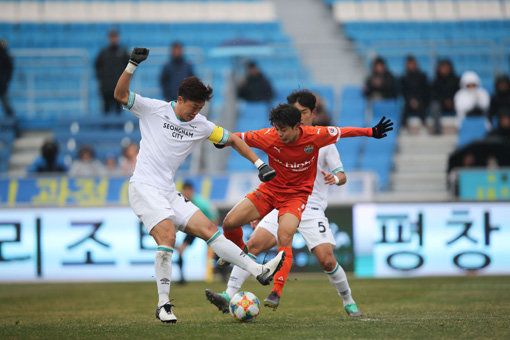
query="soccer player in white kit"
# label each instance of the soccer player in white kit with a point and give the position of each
(170, 131)
(314, 225)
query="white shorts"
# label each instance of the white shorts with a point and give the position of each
(314, 229)
(153, 205)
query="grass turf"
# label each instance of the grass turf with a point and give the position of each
(431, 308)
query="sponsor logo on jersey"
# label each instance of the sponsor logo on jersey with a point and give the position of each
(332, 131)
(308, 148)
(296, 167)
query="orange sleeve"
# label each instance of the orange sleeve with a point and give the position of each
(323, 135)
(355, 132)
(257, 139)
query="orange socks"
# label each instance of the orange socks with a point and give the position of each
(236, 236)
(281, 276)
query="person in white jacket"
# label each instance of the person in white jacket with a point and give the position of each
(471, 99)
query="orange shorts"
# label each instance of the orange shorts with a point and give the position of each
(266, 201)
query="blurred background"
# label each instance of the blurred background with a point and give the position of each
(430, 199)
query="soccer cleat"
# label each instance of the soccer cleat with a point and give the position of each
(271, 268)
(352, 310)
(165, 313)
(222, 264)
(220, 300)
(272, 301)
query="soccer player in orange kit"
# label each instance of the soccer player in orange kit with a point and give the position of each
(293, 152)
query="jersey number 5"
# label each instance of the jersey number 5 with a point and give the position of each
(322, 227)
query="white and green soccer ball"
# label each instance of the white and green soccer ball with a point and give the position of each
(244, 306)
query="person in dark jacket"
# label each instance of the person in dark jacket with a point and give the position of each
(48, 161)
(174, 72)
(443, 89)
(500, 101)
(381, 83)
(255, 87)
(415, 90)
(6, 70)
(109, 65)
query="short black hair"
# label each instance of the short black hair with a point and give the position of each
(193, 89)
(304, 98)
(284, 115)
(187, 184)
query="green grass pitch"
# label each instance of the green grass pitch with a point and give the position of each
(423, 308)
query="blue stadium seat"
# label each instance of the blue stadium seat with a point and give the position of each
(472, 128)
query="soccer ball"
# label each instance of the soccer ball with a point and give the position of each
(244, 306)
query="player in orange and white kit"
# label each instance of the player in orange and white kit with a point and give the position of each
(293, 152)
(314, 226)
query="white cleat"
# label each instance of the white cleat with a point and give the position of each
(165, 313)
(271, 268)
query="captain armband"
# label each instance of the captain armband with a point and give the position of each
(219, 136)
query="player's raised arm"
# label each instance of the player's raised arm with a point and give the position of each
(121, 93)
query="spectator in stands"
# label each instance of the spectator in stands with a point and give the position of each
(128, 159)
(322, 117)
(500, 101)
(48, 161)
(443, 89)
(174, 72)
(381, 83)
(255, 87)
(109, 65)
(111, 166)
(6, 70)
(207, 208)
(86, 164)
(471, 100)
(503, 128)
(415, 90)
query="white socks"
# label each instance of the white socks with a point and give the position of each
(236, 280)
(338, 279)
(163, 269)
(228, 251)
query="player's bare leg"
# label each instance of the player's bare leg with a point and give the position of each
(287, 226)
(261, 240)
(241, 214)
(336, 275)
(199, 225)
(164, 235)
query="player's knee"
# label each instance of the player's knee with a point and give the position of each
(228, 222)
(254, 248)
(285, 240)
(328, 263)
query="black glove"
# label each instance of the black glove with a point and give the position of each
(218, 146)
(266, 173)
(138, 55)
(379, 131)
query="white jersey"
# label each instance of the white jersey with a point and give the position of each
(166, 140)
(329, 160)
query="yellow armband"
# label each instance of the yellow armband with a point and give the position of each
(219, 135)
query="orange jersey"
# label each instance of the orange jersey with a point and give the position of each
(296, 163)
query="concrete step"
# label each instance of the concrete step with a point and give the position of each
(423, 159)
(419, 186)
(30, 142)
(409, 197)
(427, 144)
(22, 160)
(413, 177)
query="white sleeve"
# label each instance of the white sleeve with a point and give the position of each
(141, 106)
(333, 160)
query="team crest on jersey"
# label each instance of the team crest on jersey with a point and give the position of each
(308, 148)
(332, 131)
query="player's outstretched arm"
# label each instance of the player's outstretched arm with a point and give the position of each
(121, 93)
(378, 131)
(266, 173)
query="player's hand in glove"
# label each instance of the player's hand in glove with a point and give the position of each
(266, 173)
(138, 55)
(384, 125)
